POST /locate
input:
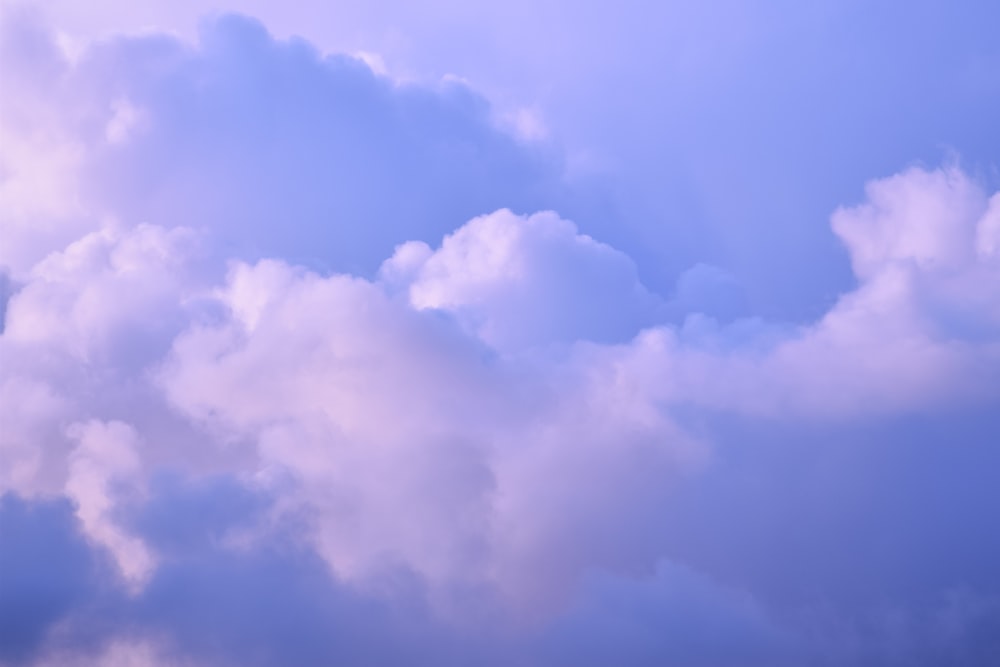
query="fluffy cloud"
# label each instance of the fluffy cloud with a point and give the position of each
(397, 433)
(275, 147)
(499, 443)
(103, 462)
(78, 333)
(418, 442)
(521, 282)
(919, 330)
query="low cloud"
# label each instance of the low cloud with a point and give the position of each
(459, 436)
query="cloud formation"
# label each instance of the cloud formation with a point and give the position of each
(283, 382)
(275, 147)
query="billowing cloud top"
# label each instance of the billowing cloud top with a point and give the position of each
(301, 364)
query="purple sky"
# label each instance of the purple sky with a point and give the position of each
(526, 334)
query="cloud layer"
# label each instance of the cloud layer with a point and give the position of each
(283, 382)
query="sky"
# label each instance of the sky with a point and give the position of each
(527, 334)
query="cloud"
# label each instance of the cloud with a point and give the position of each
(238, 132)
(79, 331)
(103, 462)
(370, 393)
(394, 440)
(414, 440)
(218, 603)
(216, 598)
(725, 141)
(522, 282)
(305, 392)
(919, 330)
(213, 603)
(396, 433)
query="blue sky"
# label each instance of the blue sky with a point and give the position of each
(518, 334)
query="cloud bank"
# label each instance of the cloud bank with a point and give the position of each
(284, 382)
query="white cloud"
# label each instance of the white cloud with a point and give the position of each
(517, 282)
(412, 441)
(79, 334)
(103, 468)
(920, 329)
(503, 412)
(461, 415)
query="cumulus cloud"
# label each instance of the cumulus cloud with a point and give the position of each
(919, 330)
(275, 147)
(417, 441)
(397, 433)
(78, 333)
(519, 282)
(451, 438)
